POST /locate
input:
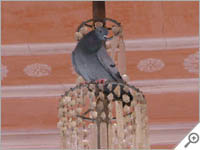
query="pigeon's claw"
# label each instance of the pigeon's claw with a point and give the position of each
(101, 81)
(84, 82)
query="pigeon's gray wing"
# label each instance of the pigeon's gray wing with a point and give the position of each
(88, 66)
(79, 64)
(108, 64)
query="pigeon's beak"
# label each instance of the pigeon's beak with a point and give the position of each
(105, 37)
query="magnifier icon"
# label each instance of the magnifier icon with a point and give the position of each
(193, 138)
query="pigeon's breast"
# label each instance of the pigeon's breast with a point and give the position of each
(90, 44)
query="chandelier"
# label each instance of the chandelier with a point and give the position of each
(107, 115)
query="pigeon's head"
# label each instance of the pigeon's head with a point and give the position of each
(101, 33)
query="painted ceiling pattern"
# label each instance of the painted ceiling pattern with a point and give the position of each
(144, 65)
(56, 69)
(37, 70)
(4, 71)
(191, 63)
(150, 65)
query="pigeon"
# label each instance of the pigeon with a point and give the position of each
(91, 60)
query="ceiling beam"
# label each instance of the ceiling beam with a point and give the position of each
(99, 11)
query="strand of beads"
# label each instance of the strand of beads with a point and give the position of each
(88, 118)
(62, 115)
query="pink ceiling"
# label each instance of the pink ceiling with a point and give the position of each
(49, 22)
(55, 22)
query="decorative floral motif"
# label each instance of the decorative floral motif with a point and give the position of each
(150, 65)
(37, 70)
(191, 63)
(4, 71)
